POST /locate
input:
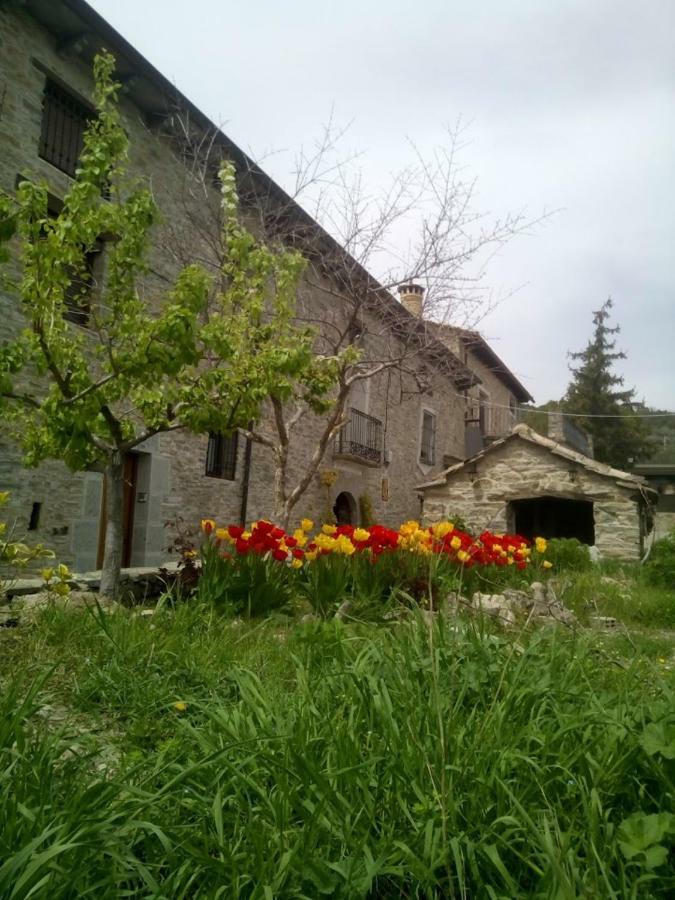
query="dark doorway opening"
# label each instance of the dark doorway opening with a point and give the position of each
(554, 517)
(345, 509)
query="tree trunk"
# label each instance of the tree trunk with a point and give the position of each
(114, 532)
(283, 516)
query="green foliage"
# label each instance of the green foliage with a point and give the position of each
(659, 568)
(568, 554)
(622, 592)
(246, 586)
(662, 431)
(202, 355)
(596, 391)
(15, 555)
(411, 761)
(366, 515)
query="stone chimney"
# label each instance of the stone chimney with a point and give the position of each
(556, 427)
(412, 296)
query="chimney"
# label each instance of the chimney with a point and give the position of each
(556, 428)
(411, 297)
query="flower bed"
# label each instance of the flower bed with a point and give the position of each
(264, 568)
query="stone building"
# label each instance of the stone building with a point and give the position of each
(534, 485)
(397, 434)
(492, 403)
(660, 477)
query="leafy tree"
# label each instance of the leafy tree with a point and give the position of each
(201, 357)
(595, 390)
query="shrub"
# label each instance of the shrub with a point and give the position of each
(659, 569)
(15, 555)
(568, 554)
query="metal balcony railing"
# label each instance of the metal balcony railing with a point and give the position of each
(361, 437)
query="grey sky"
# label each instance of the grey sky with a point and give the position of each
(571, 105)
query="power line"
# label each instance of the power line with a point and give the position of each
(569, 415)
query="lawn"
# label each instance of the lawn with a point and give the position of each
(184, 754)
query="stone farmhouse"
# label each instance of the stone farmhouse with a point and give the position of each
(534, 485)
(398, 434)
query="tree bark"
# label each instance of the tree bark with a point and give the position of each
(114, 533)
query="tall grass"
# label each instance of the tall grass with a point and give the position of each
(331, 760)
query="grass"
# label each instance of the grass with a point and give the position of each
(619, 591)
(324, 759)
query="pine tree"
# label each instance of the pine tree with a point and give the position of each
(595, 390)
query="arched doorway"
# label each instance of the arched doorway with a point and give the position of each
(345, 509)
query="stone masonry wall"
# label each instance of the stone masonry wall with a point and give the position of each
(520, 470)
(171, 473)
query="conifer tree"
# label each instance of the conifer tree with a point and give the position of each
(596, 391)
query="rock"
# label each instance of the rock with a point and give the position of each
(518, 600)
(495, 605)
(594, 554)
(23, 586)
(8, 617)
(25, 606)
(540, 603)
(452, 601)
(344, 610)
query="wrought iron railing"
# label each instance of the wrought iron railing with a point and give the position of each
(361, 437)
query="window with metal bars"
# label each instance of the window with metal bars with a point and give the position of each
(64, 120)
(221, 455)
(428, 442)
(78, 293)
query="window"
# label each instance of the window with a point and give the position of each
(64, 120)
(428, 442)
(221, 455)
(78, 293)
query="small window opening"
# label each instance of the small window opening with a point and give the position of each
(221, 455)
(428, 442)
(34, 521)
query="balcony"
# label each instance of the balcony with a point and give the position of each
(492, 422)
(361, 439)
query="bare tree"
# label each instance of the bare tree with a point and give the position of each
(421, 228)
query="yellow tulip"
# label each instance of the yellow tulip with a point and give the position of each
(307, 524)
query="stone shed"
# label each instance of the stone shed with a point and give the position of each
(537, 486)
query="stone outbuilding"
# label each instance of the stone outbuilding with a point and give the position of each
(533, 485)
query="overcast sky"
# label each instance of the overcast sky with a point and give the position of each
(571, 105)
